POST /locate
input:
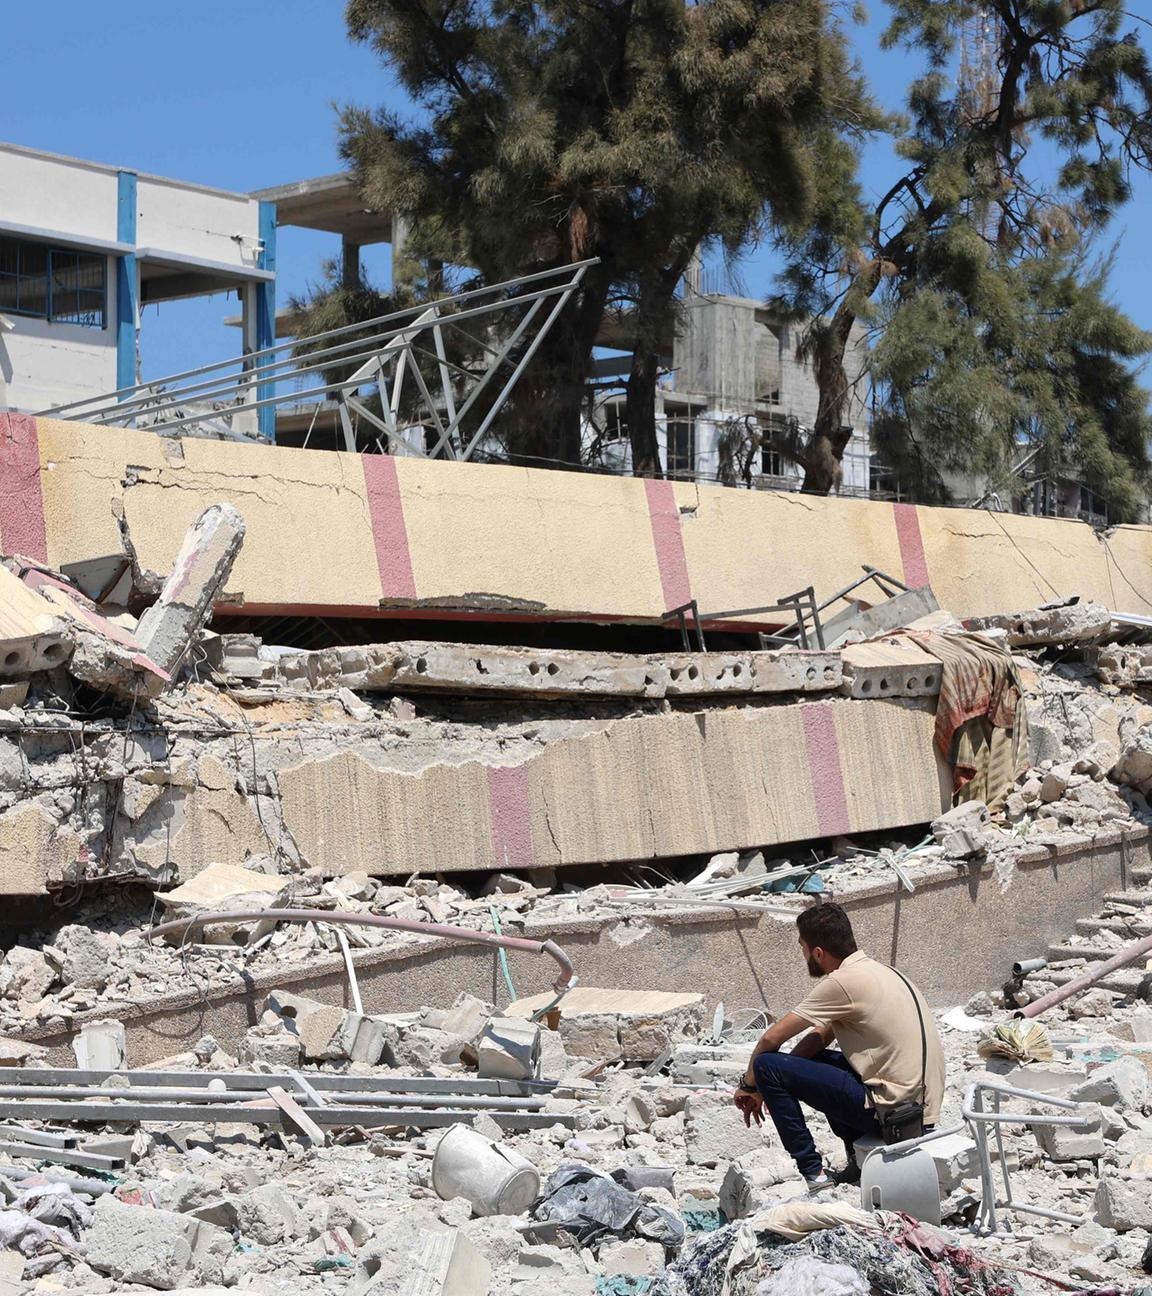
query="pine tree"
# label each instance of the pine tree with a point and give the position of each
(634, 131)
(975, 189)
(982, 369)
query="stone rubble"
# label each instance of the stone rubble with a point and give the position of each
(226, 1207)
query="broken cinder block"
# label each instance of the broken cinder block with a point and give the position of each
(328, 1033)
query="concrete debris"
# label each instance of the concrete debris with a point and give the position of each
(222, 887)
(101, 1046)
(509, 1049)
(420, 667)
(169, 627)
(960, 831)
(328, 1033)
(1065, 623)
(32, 636)
(156, 1248)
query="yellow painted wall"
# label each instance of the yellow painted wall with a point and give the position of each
(550, 543)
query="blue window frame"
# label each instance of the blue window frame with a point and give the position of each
(56, 284)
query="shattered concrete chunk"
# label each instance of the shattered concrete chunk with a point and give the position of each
(222, 887)
(328, 1033)
(1124, 1204)
(202, 567)
(156, 1248)
(1066, 623)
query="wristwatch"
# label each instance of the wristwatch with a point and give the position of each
(746, 1088)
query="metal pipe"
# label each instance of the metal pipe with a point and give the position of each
(350, 968)
(1129, 954)
(563, 983)
(1028, 965)
(189, 1095)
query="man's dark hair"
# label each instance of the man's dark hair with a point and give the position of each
(827, 926)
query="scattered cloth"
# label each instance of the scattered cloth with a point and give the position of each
(808, 1277)
(591, 1206)
(981, 716)
(915, 1261)
(796, 1219)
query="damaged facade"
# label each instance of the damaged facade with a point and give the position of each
(440, 710)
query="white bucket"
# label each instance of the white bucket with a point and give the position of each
(496, 1180)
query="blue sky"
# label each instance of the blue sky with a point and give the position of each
(241, 96)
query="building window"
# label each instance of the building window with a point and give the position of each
(56, 284)
(681, 433)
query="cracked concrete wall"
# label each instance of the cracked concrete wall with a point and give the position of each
(300, 783)
(373, 533)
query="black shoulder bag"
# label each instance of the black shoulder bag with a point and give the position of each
(905, 1119)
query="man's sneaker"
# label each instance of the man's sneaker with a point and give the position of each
(848, 1176)
(819, 1183)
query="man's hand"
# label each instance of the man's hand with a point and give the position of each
(750, 1106)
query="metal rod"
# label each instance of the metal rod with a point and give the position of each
(150, 1095)
(349, 967)
(1129, 954)
(63, 1156)
(346, 328)
(295, 365)
(37, 1077)
(563, 983)
(269, 1114)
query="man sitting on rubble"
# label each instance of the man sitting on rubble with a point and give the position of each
(889, 1052)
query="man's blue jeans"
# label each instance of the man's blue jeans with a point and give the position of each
(826, 1083)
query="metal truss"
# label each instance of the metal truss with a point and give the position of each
(457, 404)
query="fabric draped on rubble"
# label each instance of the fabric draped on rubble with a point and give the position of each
(981, 715)
(894, 1256)
(591, 1206)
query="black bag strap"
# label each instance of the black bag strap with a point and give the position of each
(923, 1039)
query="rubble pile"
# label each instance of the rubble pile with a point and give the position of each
(636, 1178)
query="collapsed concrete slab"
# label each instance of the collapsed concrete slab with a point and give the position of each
(482, 668)
(637, 788)
(890, 668)
(1065, 623)
(33, 637)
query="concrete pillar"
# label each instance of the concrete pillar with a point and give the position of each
(349, 264)
(266, 314)
(127, 284)
(202, 566)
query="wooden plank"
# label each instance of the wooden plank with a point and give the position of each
(294, 1114)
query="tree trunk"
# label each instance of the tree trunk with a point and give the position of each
(640, 412)
(543, 422)
(830, 436)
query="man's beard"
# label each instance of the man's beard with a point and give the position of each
(814, 968)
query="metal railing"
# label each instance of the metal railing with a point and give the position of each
(386, 353)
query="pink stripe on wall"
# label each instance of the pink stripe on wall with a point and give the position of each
(825, 769)
(22, 529)
(669, 542)
(511, 817)
(389, 531)
(911, 545)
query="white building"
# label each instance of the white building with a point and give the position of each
(84, 247)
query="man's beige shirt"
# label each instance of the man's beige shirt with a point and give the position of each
(873, 1018)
